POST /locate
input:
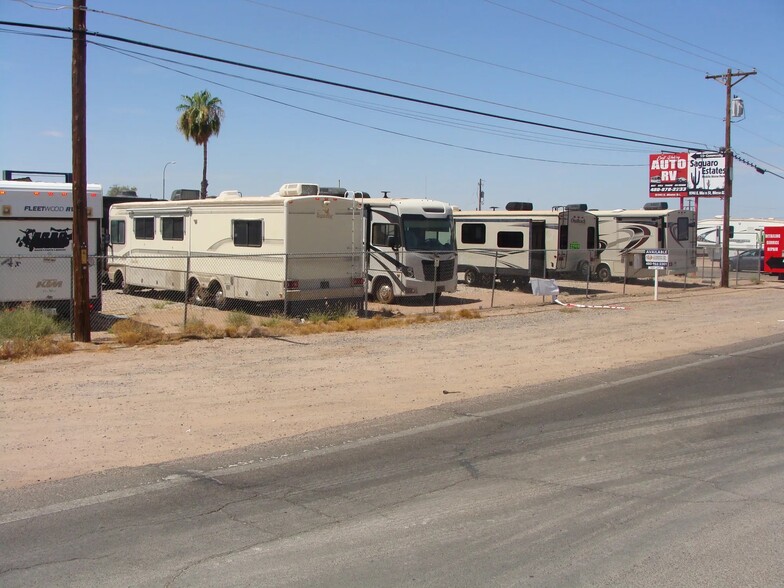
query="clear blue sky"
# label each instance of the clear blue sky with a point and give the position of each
(630, 68)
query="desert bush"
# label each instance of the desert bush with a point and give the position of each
(130, 332)
(28, 323)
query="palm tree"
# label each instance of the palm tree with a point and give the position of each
(200, 119)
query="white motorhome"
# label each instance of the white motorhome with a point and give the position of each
(626, 234)
(746, 233)
(410, 247)
(268, 248)
(519, 243)
(36, 236)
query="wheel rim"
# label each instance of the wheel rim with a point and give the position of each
(471, 277)
(219, 298)
(384, 293)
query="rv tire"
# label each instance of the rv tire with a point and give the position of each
(603, 273)
(507, 282)
(583, 269)
(218, 296)
(383, 291)
(471, 277)
(197, 294)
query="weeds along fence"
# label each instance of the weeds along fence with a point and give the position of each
(288, 284)
(179, 289)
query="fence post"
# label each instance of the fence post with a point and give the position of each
(495, 277)
(285, 284)
(436, 263)
(587, 277)
(187, 289)
(71, 301)
(625, 270)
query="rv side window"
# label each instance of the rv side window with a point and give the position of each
(247, 233)
(473, 233)
(144, 228)
(683, 229)
(381, 232)
(117, 232)
(591, 237)
(510, 239)
(172, 228)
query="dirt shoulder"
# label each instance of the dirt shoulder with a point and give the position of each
(102, 408)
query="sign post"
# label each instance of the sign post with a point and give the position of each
(657, 259)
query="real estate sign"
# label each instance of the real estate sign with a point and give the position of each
(706, 174)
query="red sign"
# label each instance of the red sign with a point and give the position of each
(774, 250)
(669, 175)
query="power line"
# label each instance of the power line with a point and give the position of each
(404, 113)
(659, 32)
(356, 88)
(684, 42)
(594, 37)
(355, 123)
(388, 79)
(628, 30)
(480, 61)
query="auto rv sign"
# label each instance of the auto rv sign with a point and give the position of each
(669, 175)
(682, 175)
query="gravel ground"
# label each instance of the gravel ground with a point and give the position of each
(104, 407)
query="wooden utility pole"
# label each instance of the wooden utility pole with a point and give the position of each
(726, 79)
(81, 275)
(481, 195)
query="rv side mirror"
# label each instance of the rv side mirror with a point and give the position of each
(393, 242)
(732, 232)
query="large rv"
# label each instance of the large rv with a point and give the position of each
(626, 234)
(519, 243)
(36, 243)
(745, 233)
(410, 247)
(270, 248)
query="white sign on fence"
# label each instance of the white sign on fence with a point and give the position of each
(657, 258)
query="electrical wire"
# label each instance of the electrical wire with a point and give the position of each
(479, 61)
(356, 88)
(628, 30)
(348, 121)
(497, 130)
(594, 37)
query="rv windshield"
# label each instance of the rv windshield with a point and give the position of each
(427, 234)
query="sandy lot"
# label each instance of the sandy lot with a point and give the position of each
(103, 407)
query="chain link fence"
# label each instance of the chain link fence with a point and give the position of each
(178, 289)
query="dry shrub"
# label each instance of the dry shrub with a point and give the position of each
(469, 313)
(200, 330)
(130, 332)
(17, 349)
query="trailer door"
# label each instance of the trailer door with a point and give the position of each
(537, 249)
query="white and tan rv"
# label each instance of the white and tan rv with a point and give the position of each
(626, 234)
(519, 243)
(290, 248)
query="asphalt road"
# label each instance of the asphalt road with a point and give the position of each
(664, 474)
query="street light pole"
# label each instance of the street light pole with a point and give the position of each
(164, 177)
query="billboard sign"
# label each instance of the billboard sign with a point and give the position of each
(668, 175)
(706, 175)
